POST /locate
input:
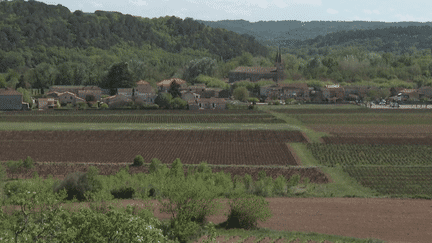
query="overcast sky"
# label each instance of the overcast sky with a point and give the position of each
(264, 10)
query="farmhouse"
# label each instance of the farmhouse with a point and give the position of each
(116, 99)
(333, 93)
(298, 91)
(63, 88)
(46, 103)
(92, 93)
(189, 96)
(69, 98)
(127, 92)
(165, 85)
(144, 92)
(257, 73)
(207, 103)
(10, 99)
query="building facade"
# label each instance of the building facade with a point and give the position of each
(10, 99)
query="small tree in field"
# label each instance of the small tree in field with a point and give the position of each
(138, 161)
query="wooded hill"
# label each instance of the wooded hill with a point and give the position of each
(48, 45)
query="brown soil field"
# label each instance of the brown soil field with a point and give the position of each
(192, 147)
(60, 171)
(350, 111)
(378, 140)
(391, 220)
(420, 130)
(165, 136)
(222, 153)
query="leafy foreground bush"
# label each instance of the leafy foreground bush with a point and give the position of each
(138, 160)
(42, 219)
(246, 210)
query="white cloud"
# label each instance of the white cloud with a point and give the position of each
(332, 11)
(376, 11)
(138, 2)
(367, 11)
(280, 3)
(98, 5)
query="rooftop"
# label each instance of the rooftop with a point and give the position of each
(8, 91)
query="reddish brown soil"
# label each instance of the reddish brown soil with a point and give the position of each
(391, 220)
(420, 130)
(60, 171)
(378, 140)
(192, 147)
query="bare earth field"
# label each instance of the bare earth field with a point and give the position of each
(192, 147)
(420, 130)
(391, 220)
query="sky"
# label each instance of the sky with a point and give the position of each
(264, 10)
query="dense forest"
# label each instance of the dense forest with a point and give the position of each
(43, 45)
(48, 45)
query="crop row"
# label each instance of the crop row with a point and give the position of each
(394, 180)
(131, 112)
(222, 153)
(349, 154)
(380, 140)
(165, 136)
(143, 119)
(367, 118)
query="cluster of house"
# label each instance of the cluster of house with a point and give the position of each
(197, 96)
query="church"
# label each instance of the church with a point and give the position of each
(255, 74)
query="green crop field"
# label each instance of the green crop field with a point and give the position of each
(396, 170)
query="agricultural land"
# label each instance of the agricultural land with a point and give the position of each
(322, 169)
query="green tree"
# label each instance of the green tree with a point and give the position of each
(205, 66)
(178, 103)
(119, 76)
(3, 83)
(163, 100)
(174, 90)
(241, 93)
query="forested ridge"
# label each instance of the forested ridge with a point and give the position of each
(47, 42)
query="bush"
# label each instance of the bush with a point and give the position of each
(76, 184)
(246, 210)
(104, 106)
(248, 183)
(138, 160)
(280, 186)
(82, 105)
(123, 193)
(294, 180)
(155, 165)
(28, 163)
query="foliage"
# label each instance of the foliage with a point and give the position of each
(104, 106)
(211, 82)
(174, 90)
(138, 160)
(119, 76)
(178, 103)
(246, 210)
(163, 100)
(241, 93)
(204, 66)
(26, 95)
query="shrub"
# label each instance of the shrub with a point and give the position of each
(104, 106)
(177, 169)
(76, 184)
(138, 160)
(294, 180)
(28, 163)
(204, 168)
(280, 186)
(82, 105)
(155, 165)
(123, 193)
(264, 187)
(14, 166)
(3, 174)
(248, 183)
(246, 210)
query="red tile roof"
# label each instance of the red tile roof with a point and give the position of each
(167, 82)
(8, 91)
(142, 82)
(254, 69)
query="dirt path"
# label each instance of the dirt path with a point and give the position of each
(392, 220)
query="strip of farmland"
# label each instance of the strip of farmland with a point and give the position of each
(192, 147)
(142, 118)
(377, 140)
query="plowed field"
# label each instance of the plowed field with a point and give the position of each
(192, 147)
(420, 130)
(378, 140)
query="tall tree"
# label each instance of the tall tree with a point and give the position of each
(175, 90)
(119, 76)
